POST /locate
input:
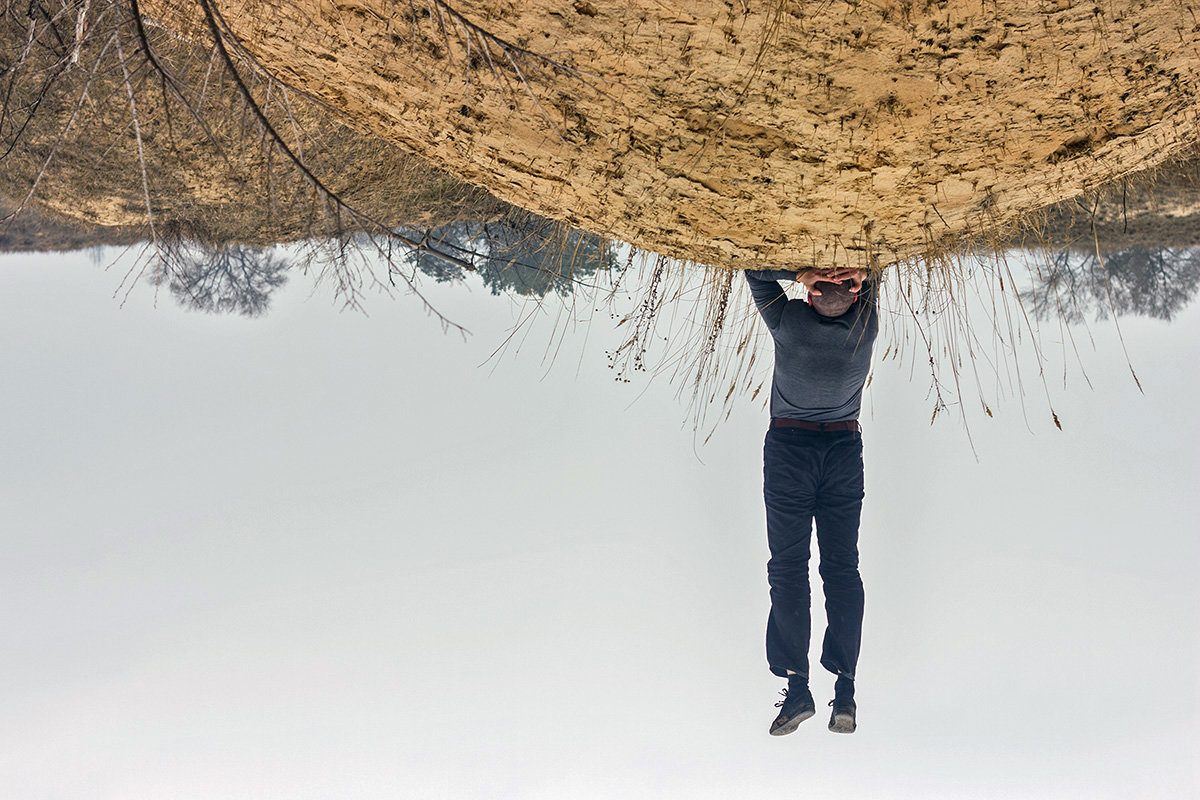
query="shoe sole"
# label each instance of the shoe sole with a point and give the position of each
(842, 723)
(793, 723)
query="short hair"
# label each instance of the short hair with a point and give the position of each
(834, 299)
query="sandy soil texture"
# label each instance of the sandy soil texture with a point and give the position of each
(747, 133)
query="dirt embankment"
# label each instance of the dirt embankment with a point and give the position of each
(746, 133)
(1155, 210)
(136, 158)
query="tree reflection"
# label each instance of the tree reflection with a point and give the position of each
(226, 279)
(1147, 281)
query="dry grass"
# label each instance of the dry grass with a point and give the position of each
(107, 122)
(1131, 247)
(193, 142)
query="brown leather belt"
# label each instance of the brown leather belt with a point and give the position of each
(785, 422)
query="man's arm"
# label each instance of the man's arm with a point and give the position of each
(768, 294)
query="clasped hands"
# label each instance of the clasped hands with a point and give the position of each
(810, 277)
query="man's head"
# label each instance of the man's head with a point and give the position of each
(834, 299)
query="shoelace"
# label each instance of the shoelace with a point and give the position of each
(784, 694)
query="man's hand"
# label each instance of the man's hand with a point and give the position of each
(856, 278)
(810, 277)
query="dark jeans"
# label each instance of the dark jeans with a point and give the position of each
(807, 475)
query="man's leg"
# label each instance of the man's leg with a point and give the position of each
(790, 470)
(838, 510)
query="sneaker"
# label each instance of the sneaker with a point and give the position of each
(842, 719)
(795, 707)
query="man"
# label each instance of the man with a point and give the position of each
(813, 469)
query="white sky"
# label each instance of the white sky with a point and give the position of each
(329, 555)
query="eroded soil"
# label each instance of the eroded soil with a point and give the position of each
(748, 133)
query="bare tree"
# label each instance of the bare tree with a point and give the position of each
(103, 116)
(1153, 282)
(224, 280)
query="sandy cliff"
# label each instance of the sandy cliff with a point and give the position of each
(750, 132)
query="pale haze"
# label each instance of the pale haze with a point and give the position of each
(332, 554)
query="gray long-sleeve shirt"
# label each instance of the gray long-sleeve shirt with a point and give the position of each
(821, 363)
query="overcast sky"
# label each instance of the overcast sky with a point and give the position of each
(336, 555)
